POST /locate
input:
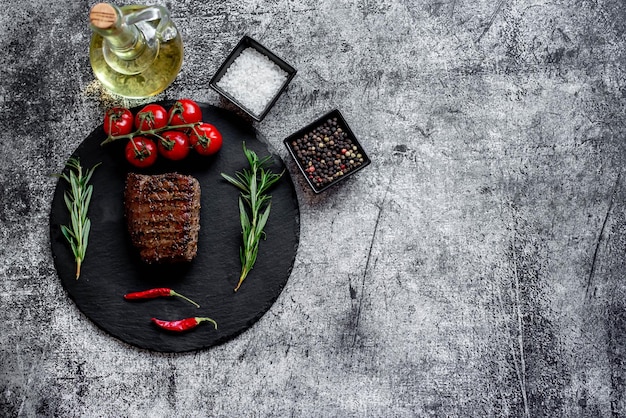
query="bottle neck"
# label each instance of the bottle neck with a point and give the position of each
(122, 39)
(127, 48)
(126, 42)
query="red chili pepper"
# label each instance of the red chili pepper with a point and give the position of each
(182, 324)
(158, 292)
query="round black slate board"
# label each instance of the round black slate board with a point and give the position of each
(112, 267)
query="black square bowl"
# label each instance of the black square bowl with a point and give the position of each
(244, 43)
(326, 151)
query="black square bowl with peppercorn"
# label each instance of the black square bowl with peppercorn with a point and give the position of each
(326, 151)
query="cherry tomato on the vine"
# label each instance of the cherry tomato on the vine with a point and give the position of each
(141, 152)
(152, 116)
(118, 121)
(173, 145)
(205, 139)
(184, 111)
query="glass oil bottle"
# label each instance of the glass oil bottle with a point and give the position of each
(135, 51)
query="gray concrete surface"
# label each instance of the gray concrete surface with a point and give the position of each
(476, 268)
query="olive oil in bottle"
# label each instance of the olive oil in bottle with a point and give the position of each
(136, 51)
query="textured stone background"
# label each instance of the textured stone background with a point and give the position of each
(476, 268)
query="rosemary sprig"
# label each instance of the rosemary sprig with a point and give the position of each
(77, 200)
(254, 206)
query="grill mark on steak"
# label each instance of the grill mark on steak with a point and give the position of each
(163, 216)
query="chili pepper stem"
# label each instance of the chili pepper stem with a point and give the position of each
(198, 320)
(172, 293)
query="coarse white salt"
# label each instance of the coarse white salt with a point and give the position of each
(253, 80)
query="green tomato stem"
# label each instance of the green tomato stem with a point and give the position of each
(154, 132)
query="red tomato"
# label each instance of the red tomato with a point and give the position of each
(118, 121)
(205, 139)
(141, 152)
(152, 116)
(173, 145)
(184, 111)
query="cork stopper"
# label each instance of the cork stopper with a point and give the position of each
(103, 16)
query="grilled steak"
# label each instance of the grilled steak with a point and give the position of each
(163, 216)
